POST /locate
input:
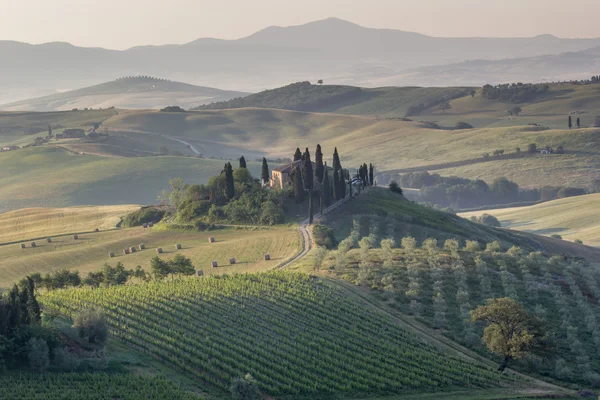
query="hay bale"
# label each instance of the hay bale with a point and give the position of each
(23, 245)
(125, 251)
(211, 239)
(159, 250)
(75, 237)
(49, 240)
(232, 260)
(142, 246)
(200, 272)
(267, 257)
(145, 225)
(33, 244)
(178, 246)
(132, 249)
(111, 254)
(150, 224)
(214, 264)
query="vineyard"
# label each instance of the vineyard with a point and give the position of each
(98, 386)
(440, 283)
(295, 334)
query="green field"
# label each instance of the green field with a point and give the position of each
(296, 335)
(572, 218)
(53, 177)
(32, 223)
(91, 251)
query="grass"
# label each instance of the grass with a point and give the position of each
(90, 251)
(53, 177)
(32, 223)
(572, 218)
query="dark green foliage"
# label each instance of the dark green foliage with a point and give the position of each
(307, 171)
(172, 109)
(489, 220)
(38, 354)
(297, 154)
(245, 388)
(326, 189)
(394, 187)
(91, 325)
(324, 236)
(570, 123)
(242, 162)
(271, 213)
(336, 185)
(319, 168)
(532, 148)
(298, 185)
(61, 279)
(578, 122)
(515, 92)
(160, 268)
(463, 125)
(371, 174)
(336, 160)
(143, 216)
(229, 184)
(264, 174)
(182, 265)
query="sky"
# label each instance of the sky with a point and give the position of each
(120, 24)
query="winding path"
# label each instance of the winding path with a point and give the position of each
(189, 145)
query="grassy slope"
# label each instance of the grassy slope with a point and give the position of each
(572, 218)
(90, 251)
(52, 177)
(31, 223)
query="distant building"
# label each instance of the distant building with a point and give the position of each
(282, 176)
(9, 148)
(72, 133)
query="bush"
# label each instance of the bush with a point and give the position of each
(394, 187)
(65, 361)
(463, 125)
(492, 247)
(472, 245)
(143, 216)
(271, 214)
(91, 326)
(555, 236)
(245, 388)
(38, 354)
(324, 236)
(489, 220)
(578, 241)
(319, 256)
(172, 109)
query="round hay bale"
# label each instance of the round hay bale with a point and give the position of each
(267, 257)
(111, 254)
(142, 246)
(75, 237)
(232, 260)
(200, 272)
(22, 245)
(211, 239)
(33, 244)
(159, 250)
(214, 264)
(145, 225)
(132, 249)
(178, 246)
(125, 251)
(150, 224)
(49, 240)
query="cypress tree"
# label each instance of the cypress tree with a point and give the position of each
(310, 207)
(264, 174)
(578, 123)
(229, 187)
(15, 311)
(307, 171)
(366, 174)
(242, 162)
(371, 174)
(326, 189)
(298, 185)
(343, 177)
(336, 185)
(297, 154)
(570, 122)
(33, 307)
(319, 164)
(336, 160)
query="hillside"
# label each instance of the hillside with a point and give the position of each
(54, 177)
(571, 218)
(130, 92)
(295, 334)
(31, 223)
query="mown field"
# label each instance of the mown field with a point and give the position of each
(294, 334)
(53, 177)
(572, 218)
(91, 251)
(32, 223)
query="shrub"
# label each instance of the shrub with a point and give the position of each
(319, 256)
(555, 236)
(394, 187)
(492, 247)
(324, 236)
(245, 388)
(91, 326)
(489, 220)
(472, 245)
(271, 214)
(65, 361)
(38, 354)
(463, 125)
(143, 216)
(578, 241)
(409, 243)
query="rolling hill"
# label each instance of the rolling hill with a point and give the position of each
(572, 218)
(130, 92)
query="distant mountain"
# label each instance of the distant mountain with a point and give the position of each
(335, 50)
(130, 92)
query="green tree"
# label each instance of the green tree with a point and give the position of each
(320, 81)
(49, 131)
(229, 182)
(242, 162)
(336, 185)
(326, 189)
(516, 110)
(336, 160)
(394, 187)
(160, 268)
(307, 171)
(310, 207)
(298, 184)
(297, 154)
(245, 388)
(319, 164)
(578, 122)
(91, 325)
(445, 106)
(264, 174)
(371, 174)
(38, 354)
(570, 123)
(181, 265)
(511, 331)
(33, 307)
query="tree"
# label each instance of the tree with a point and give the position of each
(326, 188)
(229, 182)
(578, 122)
(336, 160)
(38, 354)
(91, 325)
(319, 164)
(371, 174)
(516, 110)
(160, 268)
(320, 81)
(298, 184)
(307, 171)
(49, 131)
(445, 106)
(310, 207)
(245, 388)
(532, 148)
(570, 123)
(336, 185)
(394, 187)
(33, 308)
(297, 154)
(264, 174)
(472, 93)
(511, 331)
(181, 265)
(242, 162)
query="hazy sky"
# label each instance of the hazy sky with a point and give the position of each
(121, 24)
